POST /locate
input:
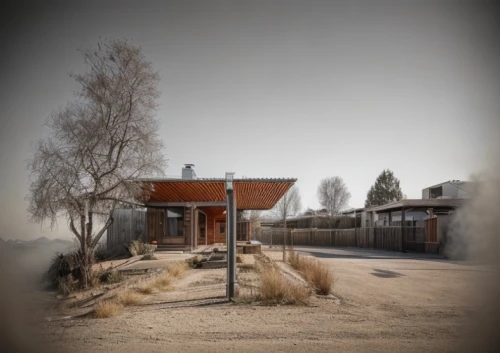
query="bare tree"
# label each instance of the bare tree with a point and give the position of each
(97, 146)
(333, 195)
(254, 217)
(289, 205)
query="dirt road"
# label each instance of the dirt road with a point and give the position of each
(383, 304)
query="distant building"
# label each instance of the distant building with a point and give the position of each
(453, 189)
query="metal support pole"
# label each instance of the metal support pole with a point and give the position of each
(230, 236)
(284, 241)
(403, 229)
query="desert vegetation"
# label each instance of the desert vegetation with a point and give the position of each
(129, 298)
(138, 247)
(276, 289)
(317, 274)
(107, 308)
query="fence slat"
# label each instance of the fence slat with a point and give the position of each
(382, 238)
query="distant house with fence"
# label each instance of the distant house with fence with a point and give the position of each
(418, 225)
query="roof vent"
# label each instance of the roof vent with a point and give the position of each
(188, 172)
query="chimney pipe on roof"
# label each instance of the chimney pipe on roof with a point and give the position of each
(188, 172)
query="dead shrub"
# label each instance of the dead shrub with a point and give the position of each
(129, 298)
(64, 273)
(138, 247)
(293, 259)
(147, 288)
(163, 282)
(176, 269)
(276, 289)
(314, 272)
(109, 276)
(107, 308)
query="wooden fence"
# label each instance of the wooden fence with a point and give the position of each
(128, 224)
(381, 238)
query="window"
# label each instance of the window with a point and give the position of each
(175, 220)
(436, 192)
(201, 224)
(221, 227)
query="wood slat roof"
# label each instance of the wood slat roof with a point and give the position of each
(251, 194)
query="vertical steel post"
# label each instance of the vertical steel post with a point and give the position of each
(230, 236)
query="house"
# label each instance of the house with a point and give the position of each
(320, 221)
(184, 213)
(453, 189)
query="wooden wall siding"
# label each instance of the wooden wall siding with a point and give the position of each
(188, 227)
(156, 224)
(431, 229)
(128, 225)
(380, 238)
(259, 195)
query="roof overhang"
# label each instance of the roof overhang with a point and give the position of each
(250, 194)
(450, 204)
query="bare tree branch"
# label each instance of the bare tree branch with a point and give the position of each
(98, 143)
(333, 195)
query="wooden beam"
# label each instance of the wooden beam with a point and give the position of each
(185, 204)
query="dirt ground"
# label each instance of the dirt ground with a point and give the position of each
(379, 305)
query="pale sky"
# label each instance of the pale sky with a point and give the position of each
(270, 89)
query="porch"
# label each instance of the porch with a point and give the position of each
(188, 227)
(182, 214)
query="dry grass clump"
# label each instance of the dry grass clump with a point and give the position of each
(314, 272)
(163, 282)
(107, 308)
(177, 269)
(129, 298)
(276, 289)
(147, 288)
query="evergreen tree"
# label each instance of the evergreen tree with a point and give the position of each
(385, 190)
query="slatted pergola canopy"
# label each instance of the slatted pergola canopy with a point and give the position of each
(251, 194)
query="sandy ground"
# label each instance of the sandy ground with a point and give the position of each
(380, 304)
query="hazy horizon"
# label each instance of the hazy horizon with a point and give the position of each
(270, 89)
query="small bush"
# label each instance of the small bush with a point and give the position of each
(64, 272)
(67, 285)
(110, 276)
(314, 272)
(147, 288)
(138, 247)
(163, 282)
(148, 257)
(276, 289)
(176, 269)
(319, 276)
(107, 308)
(129, 298)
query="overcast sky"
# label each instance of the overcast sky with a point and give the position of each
(270, 89)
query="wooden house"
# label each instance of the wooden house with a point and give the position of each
(185, 213)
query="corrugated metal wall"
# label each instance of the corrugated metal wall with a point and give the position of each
(128, 225)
